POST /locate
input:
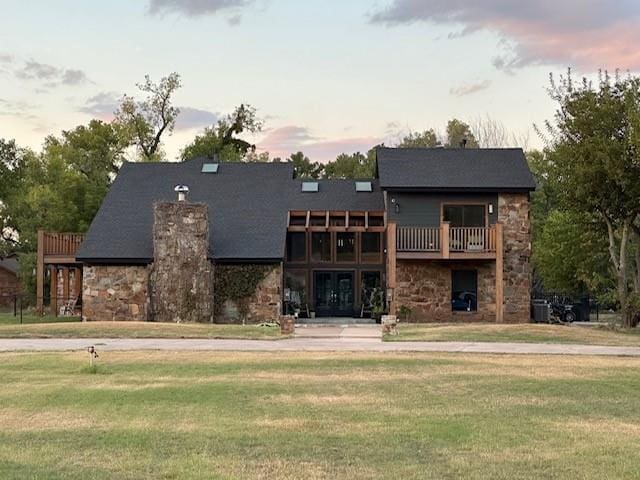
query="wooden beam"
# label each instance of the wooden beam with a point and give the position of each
(40, 274)
(326, 222)
(444, 241)
(77, 283)
(499, 274)
(391, 265)
(65, 284)
(53, 293)
(366, 220)
(308, 219)
(346, 219)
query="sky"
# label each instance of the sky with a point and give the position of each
(327, 76)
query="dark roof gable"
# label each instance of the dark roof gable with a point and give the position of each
(447, 169)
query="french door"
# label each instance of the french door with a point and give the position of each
(334, 294)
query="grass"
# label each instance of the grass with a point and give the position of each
(137, 330)
(522, 333)
(194, 415)
(7, 318)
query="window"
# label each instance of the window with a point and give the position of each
(321, 247)
(295, 290)
(376, 221)
(346, 247)
(464, 215)
(363, 187)
(209, 168)
(464, 290)
(310, 187)
(370, 247)
(296, 247)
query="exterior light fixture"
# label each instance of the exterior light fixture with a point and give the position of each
(182, 191)
(491, 209)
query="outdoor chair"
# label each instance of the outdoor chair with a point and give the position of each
(69, 307)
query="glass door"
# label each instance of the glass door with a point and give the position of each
(333, 294)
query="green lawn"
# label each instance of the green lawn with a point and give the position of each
(7, 318)
(76, 329)
(187, 415)
(527, 333)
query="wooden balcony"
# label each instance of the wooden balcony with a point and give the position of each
(446, 242)
(59, 248)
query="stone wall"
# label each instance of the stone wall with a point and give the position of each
(425, 287)
(264, 305)
(513, 213)
(181, 275)
(115, 292)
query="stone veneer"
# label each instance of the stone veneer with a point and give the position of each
(513, 213)
(425, 287)
(264, 305)
(115, 292)
(181, 274)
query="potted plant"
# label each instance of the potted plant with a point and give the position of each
(377, 304)
(404, 313)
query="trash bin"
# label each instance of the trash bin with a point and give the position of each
(541, 311)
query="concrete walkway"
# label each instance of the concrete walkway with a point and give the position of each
(311, 345)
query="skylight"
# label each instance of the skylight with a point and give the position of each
(209, 168)
(309, 186)
(363, 187)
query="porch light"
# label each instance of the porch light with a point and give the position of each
(491, 209)
(182, 191)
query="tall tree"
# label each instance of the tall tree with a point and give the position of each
(459, 134)
(148, 120)
(426, 139)
(356, 165)
(305, 168)
(223, 138)
(595, 149)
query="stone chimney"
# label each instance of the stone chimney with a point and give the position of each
(181, 275)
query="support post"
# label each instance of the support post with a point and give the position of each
(444, 241)
(391, 265)
(77, 283)
(40, 274)
(53, 294)
(65, 284)
(499, 274)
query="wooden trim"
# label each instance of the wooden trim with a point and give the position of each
(366, 220)
(53, 293)
(444, 241)
(391, 265)
(499, 274)
(40, 274)
(308, 218)
(65, 284)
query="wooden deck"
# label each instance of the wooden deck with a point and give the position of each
(447, 243)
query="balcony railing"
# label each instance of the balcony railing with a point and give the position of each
(446, 241)
(63, 244)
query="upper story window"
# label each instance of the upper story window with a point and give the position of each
(296, 247)
(465, 215)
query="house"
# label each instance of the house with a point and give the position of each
(9, 281)
(443, 233)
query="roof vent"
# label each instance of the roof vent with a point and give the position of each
(309, 186)
(209, 168)
(363, 187)
(182, 191)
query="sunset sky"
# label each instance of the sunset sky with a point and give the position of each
(326, 76)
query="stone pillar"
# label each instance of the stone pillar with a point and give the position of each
(182, 275)
(513, 214)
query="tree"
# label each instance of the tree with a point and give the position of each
(594, 144)
(222, 139)
(426, 139)
(492, 133)
(13, 162)
(305, 168)
(459, 134)
(148, 120)
(356, 165)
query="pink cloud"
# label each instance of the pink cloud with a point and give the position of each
(282, 142)
(588, 34)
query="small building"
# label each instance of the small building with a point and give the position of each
(443, 233)
(9, 281)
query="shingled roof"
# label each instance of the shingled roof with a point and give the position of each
(10, 264)
(454, 169)
(248, 205)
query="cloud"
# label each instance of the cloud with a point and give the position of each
(102, 105)
(583, 33)
(194, 8)
(234, 20)
(50, 76)
(190, 118)
(17, 109)
(283, 141)
(470, 88)
(6, 58)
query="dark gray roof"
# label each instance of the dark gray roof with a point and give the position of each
(248, 205)
(10, 264)
(447, 169)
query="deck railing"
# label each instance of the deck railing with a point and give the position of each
(453, 239)
(418, 239)
(61, 243)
